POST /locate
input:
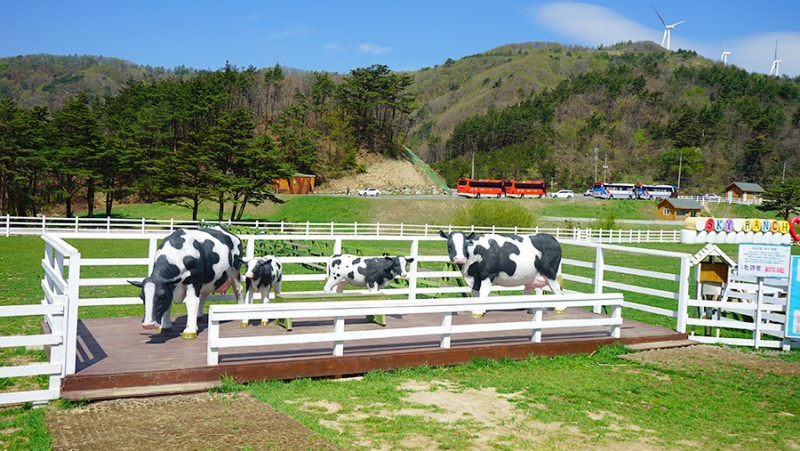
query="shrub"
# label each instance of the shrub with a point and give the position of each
(606, 222)
(493, 213)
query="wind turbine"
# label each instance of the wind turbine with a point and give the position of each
(776, 63)
(724, 56)
(667, 28)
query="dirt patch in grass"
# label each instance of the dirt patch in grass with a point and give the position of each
(465, 418)
(201, 421)
(704, 357)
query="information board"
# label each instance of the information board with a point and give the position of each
(764, 260)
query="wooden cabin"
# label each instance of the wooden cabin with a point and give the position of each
(674, 209)
(744, 192)
(298, 184)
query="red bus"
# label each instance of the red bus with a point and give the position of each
(482, 188)
(526, 189)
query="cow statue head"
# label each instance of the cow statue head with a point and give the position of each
(157, 298)
(457, 243)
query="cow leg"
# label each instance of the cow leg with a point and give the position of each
(484, 287)
(192, 304)
(166, 321)
(340, 287)
(556, 287)
(201, 317)
(265, 300)
(329, 285)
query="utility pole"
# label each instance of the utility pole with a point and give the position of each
(605, 168)
(473, 166)
(680, 166)
(783, 175)
(595, 165)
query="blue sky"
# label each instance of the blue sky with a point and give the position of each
(404, 35)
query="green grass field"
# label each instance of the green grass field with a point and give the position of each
(664, 408)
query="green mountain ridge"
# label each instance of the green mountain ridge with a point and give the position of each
(536, 111)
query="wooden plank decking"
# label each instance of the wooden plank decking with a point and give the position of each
(117, 358)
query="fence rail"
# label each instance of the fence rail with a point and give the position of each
(26, 225)
(338, 336)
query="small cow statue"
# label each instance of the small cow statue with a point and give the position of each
(531, 261)
(190, 265)
(371, 272)
(262, 274)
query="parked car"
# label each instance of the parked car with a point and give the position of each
(563, 194)
(587, 193)
(710, 197)
(374, 192)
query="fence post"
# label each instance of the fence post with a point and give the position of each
(76, 225)
(683, 295)
(599, 269)
(412, 277)
(8, 225)
(44, 224)
(108, 224)
(71, 312)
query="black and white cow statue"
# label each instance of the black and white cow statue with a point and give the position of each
(190, 265)
(531, 261)
(371, 272)
(263, 273)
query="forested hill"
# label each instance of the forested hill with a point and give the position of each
(538, 111)
(531, 111)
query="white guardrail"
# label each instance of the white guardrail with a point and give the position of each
(447, 307)
(23, 225)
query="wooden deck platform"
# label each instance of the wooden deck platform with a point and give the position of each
(117, 358)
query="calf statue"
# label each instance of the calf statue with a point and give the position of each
(371, 272)
(190, 265)
(262, 274)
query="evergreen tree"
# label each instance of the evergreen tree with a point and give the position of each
(782, 199)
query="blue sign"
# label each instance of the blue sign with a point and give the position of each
(793, 304)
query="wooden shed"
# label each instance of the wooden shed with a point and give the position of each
(298, 184)
(674, 209)
(745, 192)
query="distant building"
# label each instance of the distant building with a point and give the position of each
(750, 193)
(298, 184)
(675, 209)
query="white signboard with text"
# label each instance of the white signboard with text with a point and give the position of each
(764, 260)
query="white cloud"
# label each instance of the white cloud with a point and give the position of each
(755, 53)
(373, 49)
(593, 25)
(590, 24)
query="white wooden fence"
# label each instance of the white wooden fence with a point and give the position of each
(756, 305)
(21, 225)
(338, 336)
(55, 308)
(63, 283)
